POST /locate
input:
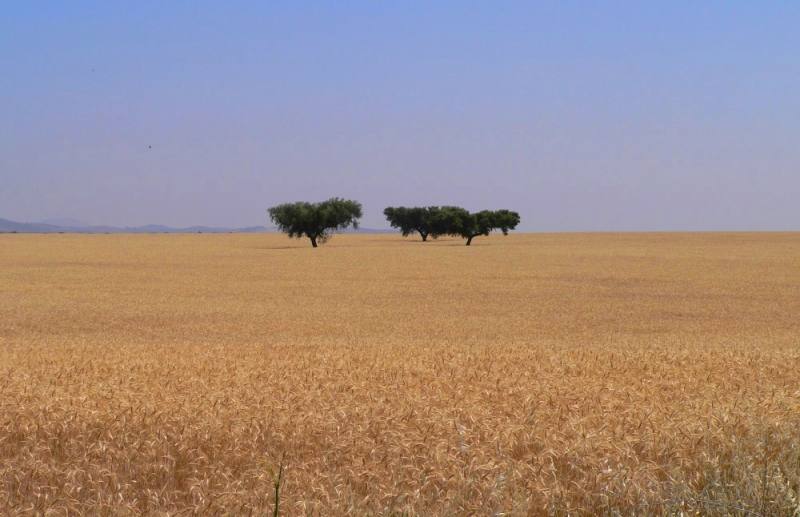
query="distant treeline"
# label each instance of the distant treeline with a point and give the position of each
(435, 221)
(318, 220)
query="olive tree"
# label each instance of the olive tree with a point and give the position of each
(316, 220)
(485, 221)
(412, 219)
(458, 221)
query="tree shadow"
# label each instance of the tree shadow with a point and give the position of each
(276, 247)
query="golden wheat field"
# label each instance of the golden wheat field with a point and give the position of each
(532, 374)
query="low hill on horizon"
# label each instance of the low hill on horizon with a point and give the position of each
(9, 226)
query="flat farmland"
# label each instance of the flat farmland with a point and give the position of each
(523, 375)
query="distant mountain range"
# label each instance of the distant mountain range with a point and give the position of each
(73, 226)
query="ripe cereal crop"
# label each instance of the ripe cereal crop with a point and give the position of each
(534, 374)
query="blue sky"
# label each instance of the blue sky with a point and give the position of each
(581, 116)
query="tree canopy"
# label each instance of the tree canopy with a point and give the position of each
(458, 221)
(485, 221)
(434, 221)
(316, 220)
(413, 219)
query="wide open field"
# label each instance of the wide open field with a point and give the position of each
(531, 374)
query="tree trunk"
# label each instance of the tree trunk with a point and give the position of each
(469, 240)
(313, 240)
(424, 236)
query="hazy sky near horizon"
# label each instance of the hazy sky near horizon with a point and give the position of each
(581, 116)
